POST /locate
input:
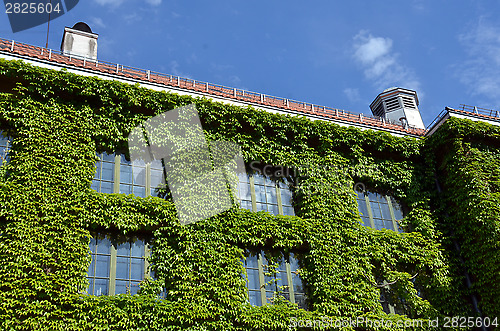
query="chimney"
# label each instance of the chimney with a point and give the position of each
(79, 41)
(398, 105)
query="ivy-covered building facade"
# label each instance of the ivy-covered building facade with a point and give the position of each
(341, 221)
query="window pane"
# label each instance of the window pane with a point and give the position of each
(103, 246)
(102, 266)
(261, 207)
(121, 286)
(156, 178)
(125, 172)
(258, 179)
(271, 194)
(243, 178)
(92, 244)
(288, 211)
(101, 287)
(397, 209)
(251, 261)
(106, 187)
(300, 299)
(386, 214)
(95, 185)
(137, 248)
(134, 287)
(90, 271)
(362, 207)
(379, 224)
(273, 209)
(286, 196)
(260, 193)
(366, 221)
(388, 224)
(125, 189)
(108, 157)
(269, 295)
(90, 289)
(253, 279)
(255, 299)
(244, 191)
(5, 143)
(139, 191)
(108, 171)
(282, 281)
(294, 263)
(123, 249)
(122, 268)
(246, 204)
(375, 210)
(137, 272)
(97, 170)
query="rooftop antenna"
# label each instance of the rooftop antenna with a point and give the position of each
(48, 27)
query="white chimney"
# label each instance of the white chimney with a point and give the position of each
(398, 105)
(80, 41)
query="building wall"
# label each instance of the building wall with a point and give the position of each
(59, 121)
(466, 156)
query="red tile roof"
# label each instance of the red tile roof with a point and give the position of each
(148, 76)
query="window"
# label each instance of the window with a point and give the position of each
(116, 267)
(391, 304)
(264, 281)
(257, 192)
(379, 211)
(114, 174)
(5, 143)
(104, 176)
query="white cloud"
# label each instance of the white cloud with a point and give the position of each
(481, 71)
(117, 3)
(97, 22)
(381, 64)
(174, 69)
(154, 2)
(112, 3)
(132, 18)
(352, 94)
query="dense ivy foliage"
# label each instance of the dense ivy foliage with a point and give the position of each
(58, 121)
(469, 167)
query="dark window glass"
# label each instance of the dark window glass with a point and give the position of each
(5, 144)
(379, 211)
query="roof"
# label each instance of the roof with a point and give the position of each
(469, 112)
(251, 98)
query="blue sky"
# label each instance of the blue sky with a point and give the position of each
(334, 53)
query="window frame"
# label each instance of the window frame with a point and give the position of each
(116, 181)
(395, 224)
(253, 194)
(261, 276)
(112, 266)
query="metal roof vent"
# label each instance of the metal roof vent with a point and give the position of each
(80, 41)
(398, 105)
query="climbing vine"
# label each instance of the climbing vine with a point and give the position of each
(58, 121)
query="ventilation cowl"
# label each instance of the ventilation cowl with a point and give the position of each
(80, 41)
(398, 105)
